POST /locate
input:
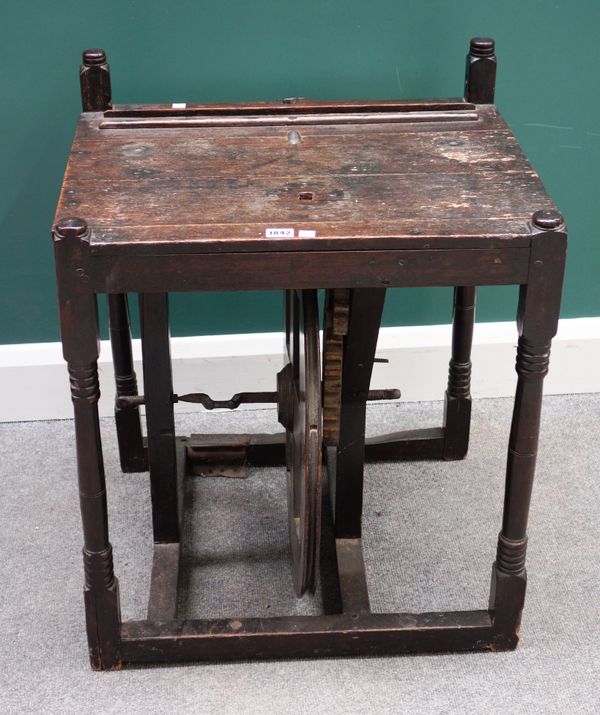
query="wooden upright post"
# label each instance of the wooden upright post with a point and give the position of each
(366, 306)
(94, 77)
(480, 79)
(79, 330)
(158, 393)
(457, 403)
(537, 320)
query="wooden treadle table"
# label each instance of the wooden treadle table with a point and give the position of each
(297, 195)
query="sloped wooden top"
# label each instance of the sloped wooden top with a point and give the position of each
(313, 175)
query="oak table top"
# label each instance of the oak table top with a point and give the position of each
(307, 175)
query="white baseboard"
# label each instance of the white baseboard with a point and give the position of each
(34, 385)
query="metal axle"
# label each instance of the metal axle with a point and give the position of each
(239, 398)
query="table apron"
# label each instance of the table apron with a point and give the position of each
(314, 269)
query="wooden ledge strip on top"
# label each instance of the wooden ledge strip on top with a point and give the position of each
(291, 119)
(293, 105)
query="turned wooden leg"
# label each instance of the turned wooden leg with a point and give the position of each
(457, 404)
(129, 429)
(160, 422)
(537, 320)
(79, 330)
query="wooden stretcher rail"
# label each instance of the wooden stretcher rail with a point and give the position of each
(309, 636)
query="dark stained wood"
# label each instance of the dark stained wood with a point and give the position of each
(344, 199)
(94, 75)
(164, 582)
(218, 455)
(306, 636)
(441, 233)
(290, 105)
(262, 450)
(360, 342)
(266, 450)
(537, 320)
(457, 400)
(166, 561)
(212, 453)
(229, 454)
(352, 577)
(132, 451)
(158, 391)
(321, 118)
(408, 445)
(451, 441)
(81, 347)
(480, 75)
(311, 156)
(488, 118)
(450, 201)
(223, 190)
(274, 271)
(94, 80)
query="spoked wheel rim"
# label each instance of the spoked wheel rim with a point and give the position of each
(304, 436)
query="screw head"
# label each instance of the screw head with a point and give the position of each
(94, 57)
(482, 46)
(73, 227)
(547, 220)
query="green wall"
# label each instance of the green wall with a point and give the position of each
(185, 50)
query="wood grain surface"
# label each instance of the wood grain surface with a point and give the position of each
(373, 185)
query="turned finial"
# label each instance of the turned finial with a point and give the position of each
(94, 57)
(72, 227)
(94, 78)
(482, 46)
(547, 220)
(480, 76)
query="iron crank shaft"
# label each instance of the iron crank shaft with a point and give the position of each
(240, 398)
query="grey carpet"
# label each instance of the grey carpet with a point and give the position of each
(430, 533)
